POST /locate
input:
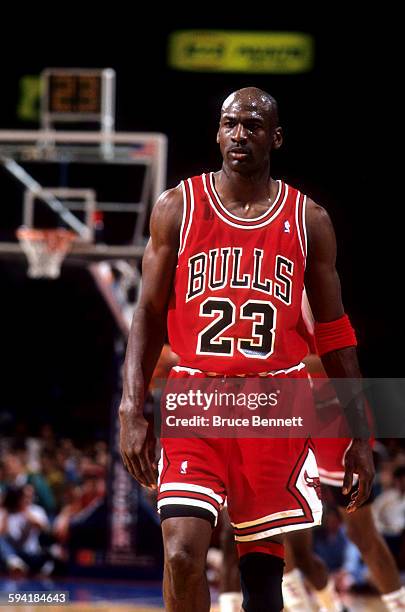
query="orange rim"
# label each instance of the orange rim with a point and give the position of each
(58, 239)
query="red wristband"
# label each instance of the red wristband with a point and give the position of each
(334, 335)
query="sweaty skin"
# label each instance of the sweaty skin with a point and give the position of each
(248, 132)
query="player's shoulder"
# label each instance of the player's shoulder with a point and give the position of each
(316, 215)
(314, 207)
(168, 207)
(320, 231)
(169, 199)
(314, 212)
(172, 201)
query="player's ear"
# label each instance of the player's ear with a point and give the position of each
(277, 139)
(218, 137)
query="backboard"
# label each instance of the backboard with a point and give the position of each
(61, 178)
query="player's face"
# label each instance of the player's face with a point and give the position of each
(245, 137)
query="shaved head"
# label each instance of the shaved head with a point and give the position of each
(255, 100)
(248, 130)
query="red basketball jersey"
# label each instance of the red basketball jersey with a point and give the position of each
(236, 300)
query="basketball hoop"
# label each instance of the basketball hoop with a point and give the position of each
(45, 249)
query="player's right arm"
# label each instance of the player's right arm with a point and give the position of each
(147, 335)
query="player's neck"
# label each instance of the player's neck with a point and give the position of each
(243, 188)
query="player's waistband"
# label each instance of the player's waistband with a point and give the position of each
(191, 371)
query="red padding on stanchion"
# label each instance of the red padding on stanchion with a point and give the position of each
(334, 335)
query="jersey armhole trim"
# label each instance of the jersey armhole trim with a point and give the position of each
(304, 225)
(188, 209)
(300, 205)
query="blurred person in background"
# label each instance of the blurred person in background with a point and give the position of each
(101, 455)
(82, 521)
(16, 473)
(332, 545)
(68, 459)
(21, 524)
(389, 512)
(360, 527)
(53, 474)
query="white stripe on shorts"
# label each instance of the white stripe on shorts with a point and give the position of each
(185, 486)
(285, 529)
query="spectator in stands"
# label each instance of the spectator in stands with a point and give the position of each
(15, 473)
(330, 541)
(47, 437)
(340, 555)
(101, 456)
(82, 521)
(389, 512)
(53, 474)
(21, 524)
(67, 458)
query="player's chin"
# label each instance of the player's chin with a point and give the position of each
(243, 166)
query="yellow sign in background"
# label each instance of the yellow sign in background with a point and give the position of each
(249, 52)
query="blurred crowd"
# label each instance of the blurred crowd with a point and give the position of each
(330, 540)
(53, 494)
(52, 502)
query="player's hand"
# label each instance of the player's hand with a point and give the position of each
(137, 445)
(358, 460)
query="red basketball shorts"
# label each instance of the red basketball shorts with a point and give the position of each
(330, 456)
(331, 451)
(271, 484)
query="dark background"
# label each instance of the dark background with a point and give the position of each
(340, 130)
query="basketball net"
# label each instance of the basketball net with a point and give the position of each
(45, 250)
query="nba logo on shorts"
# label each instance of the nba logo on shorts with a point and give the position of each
(183, 467)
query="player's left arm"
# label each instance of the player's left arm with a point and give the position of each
(324, 294)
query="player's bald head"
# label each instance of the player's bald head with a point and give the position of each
(254, 100)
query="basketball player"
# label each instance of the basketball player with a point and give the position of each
(224, 272)
(300, 557)
(361, 529)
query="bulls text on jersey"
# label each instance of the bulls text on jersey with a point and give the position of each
(214, 271)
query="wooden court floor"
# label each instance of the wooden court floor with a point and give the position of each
(357, 604)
